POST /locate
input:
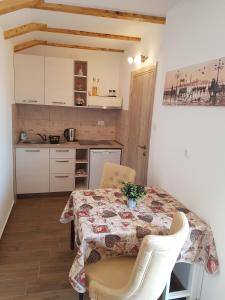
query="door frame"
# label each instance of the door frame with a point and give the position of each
(150, 68)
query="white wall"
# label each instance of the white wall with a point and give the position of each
(6, 160)
(150, 46)
(102, 65)
(187, 153)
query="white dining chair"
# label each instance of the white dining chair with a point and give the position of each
(144, 277)
(114, 175)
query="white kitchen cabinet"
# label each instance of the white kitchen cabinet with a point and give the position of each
(32, 170)
(99, 101)
(58, 81)
(29, 79)
(62, 169)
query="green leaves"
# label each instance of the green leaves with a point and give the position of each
(133, 191)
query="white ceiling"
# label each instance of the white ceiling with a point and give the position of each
(88, 23)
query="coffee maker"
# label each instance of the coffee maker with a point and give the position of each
(70, 134)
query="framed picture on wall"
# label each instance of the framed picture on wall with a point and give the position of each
(200, 85)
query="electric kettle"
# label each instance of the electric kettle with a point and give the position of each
(69, 134)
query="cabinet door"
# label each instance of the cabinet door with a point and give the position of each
(58, 81)
(29, 79)
(32, 170)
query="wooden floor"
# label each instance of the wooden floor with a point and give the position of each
(35, 255)
(34, 252)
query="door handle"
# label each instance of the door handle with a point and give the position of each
(142, 147)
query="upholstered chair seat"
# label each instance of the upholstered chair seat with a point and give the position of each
(141, 278)
(114, 175)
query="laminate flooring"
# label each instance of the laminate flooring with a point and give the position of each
(35, 255)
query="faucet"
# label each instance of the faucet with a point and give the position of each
(43, 137)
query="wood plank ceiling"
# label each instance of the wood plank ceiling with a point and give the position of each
(8, 6)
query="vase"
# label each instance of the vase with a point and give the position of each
(131, 203)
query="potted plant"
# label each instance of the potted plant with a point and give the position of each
(133, 192)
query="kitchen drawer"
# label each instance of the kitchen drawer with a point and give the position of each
(61, 182)
(62, 153)
(62, 165)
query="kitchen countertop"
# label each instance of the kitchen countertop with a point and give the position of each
(113, 145)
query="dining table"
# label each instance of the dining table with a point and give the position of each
(104, 226)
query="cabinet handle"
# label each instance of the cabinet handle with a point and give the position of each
(30, 101)
(61, 176)
(62, 161)
(58, 102)
(32, 150)
(62, 150)
(142, 147)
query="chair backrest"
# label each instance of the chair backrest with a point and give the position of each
(155, 261)
(114, 174)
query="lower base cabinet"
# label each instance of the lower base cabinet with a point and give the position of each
(62, 169)
(32, 170)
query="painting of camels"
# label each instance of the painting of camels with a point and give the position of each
(201, 84)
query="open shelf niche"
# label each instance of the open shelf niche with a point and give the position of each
(82, 169)
(80, 83)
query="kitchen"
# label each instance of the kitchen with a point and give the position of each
(69, 116)
(48, 95)
(80, 86)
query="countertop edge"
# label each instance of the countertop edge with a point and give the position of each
(75, 145)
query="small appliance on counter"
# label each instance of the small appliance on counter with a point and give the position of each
(70, 134)
(23, 136)
(54, 139)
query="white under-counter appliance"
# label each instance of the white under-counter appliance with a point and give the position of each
(97, 159)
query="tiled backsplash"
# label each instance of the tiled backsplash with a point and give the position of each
(53, 120)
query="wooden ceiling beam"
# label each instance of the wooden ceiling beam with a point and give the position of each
(28, 44)
(23, 29)
(92, 34)
(32, 43)
(43, 27)
(97, 12)
(7, 6)
(83, 47)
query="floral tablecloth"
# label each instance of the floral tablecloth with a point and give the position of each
(106, 227)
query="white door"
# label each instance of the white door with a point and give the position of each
(58, 81)
(97, 160)
(29, 79)
(32, 170)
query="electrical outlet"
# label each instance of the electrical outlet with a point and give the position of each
(101, 123)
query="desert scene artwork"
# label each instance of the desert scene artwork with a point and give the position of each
(200, 84)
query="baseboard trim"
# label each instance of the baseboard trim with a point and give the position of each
(2, 229)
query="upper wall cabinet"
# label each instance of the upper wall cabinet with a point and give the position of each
(29, 79)
(58, 81)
